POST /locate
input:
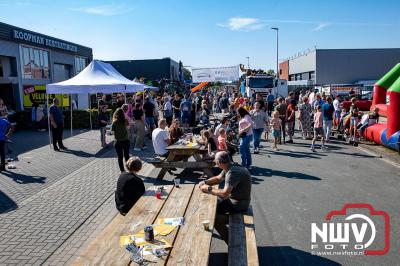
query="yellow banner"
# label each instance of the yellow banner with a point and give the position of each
(37, 94)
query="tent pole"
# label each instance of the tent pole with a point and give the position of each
(90, 111)
(48, 117)
(70, 102)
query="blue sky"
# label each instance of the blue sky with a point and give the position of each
(209, 33)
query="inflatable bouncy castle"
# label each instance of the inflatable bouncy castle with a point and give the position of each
(387, 99)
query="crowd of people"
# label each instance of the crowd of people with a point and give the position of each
(243, 120)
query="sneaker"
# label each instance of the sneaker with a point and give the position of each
(312, 148)
(63, 148)
(289, 141)
(323, 147)
(256, 151)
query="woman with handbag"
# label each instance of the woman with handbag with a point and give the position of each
(246, 135)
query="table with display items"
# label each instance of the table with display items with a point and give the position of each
(189, 244)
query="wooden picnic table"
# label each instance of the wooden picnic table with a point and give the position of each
(178, 157)
(190, 242)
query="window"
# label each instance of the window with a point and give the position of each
(80, 64)
(61, 72)
(35, 63)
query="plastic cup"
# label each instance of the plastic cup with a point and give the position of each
(177, 182)
(158, 194)
(206, 225)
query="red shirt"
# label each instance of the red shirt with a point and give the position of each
(290, 111)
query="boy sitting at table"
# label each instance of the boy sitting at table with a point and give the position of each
(130, 186)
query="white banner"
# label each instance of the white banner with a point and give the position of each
(215, 74)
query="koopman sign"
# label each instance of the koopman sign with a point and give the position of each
(33, 38)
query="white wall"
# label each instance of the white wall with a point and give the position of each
(304, 63)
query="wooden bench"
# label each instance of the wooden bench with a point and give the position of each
(242, 248)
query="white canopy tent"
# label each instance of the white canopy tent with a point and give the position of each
(97, 77)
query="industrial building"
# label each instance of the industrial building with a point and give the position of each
(30, 60)
(337, 66)
(150, 69)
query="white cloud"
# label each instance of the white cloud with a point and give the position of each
(104, 10)
(320, 26)
(243, 24)
(23, 3)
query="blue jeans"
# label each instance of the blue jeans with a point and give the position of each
(244, 150)
(150, 121)
(257, 132)
(327, 124)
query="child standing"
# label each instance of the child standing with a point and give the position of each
(318, 129)
(266, 128)
(276, 128)
(222, 146)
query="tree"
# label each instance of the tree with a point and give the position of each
(186, 74)
(271, 72)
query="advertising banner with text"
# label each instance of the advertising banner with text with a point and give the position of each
(215, 74)
(37, 94)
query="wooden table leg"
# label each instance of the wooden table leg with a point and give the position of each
(163, 171)
(207, 171)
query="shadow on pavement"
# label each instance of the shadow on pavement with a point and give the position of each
(285, 255)
(356, 154)
(86, 154)
(6, 203)
(295, 154)
(264, 172)
(36, 139)
(24, 179)
(317, 144)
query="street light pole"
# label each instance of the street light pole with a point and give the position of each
(248, 62)
(277, 51)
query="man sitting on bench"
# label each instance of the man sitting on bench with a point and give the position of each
(234, 197)
(161, 139)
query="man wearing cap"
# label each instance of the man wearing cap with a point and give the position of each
(234, 197)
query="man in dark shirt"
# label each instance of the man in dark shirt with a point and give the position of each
(57, 124)
(327, 117)
(270, 102)
(234, 197)
(148, 108)
(176, 105)
(224, 103)
(130, 186)
(103, 121)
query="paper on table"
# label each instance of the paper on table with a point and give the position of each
(177, 221)
(126, 240)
